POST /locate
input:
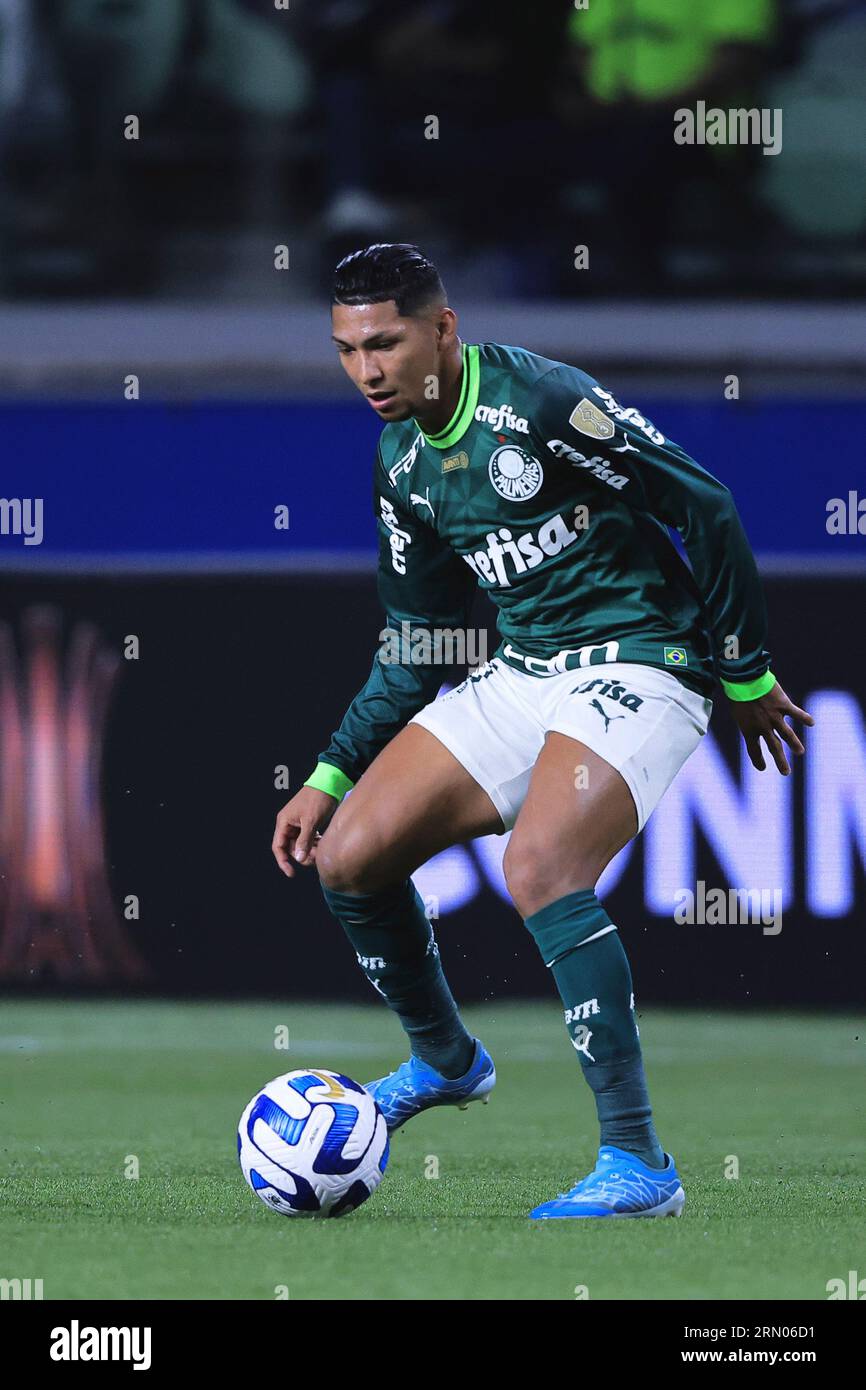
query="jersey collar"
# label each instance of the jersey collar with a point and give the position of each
(465, 412)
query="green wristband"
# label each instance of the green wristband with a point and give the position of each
(752, 690)
(331, 780)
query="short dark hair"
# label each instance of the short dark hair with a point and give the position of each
(397, 271)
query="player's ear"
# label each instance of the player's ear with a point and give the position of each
(446, 326)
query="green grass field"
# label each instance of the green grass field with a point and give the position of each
(85, 1085)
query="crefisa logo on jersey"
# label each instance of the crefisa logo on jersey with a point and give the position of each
(516, 475)
(502, 417)
(399, 538)
(628, 415)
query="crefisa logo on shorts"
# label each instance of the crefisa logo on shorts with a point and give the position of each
(515, 475)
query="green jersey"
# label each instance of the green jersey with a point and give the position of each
(546, 493)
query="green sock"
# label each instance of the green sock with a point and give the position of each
(394, 943)
(583, 949)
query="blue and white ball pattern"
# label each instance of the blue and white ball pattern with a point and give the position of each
(313, 1143)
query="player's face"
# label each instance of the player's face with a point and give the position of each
(390, 359)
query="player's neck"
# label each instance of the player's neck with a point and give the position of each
(437, 413)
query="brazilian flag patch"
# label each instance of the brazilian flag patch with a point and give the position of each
(676, 656)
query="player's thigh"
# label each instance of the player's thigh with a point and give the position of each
(578, 813)
(414, 800)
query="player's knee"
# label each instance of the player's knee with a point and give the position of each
(343, 861)
(526, 876)
(535, 877)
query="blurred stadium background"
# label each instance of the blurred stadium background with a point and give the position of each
(167, 382)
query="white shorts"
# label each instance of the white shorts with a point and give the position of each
(641, 720)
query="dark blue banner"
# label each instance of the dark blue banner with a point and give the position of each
(278, 482)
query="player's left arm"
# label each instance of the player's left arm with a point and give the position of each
(620, 449)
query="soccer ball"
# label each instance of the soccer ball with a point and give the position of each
(313, 1143)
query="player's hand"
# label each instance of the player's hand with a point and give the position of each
(299, 825)
(765, 719)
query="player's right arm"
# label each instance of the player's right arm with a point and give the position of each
(423, 584)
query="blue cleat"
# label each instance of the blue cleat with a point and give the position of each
(621, 1184)
(415, 1086)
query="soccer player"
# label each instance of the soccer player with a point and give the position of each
(500, 468)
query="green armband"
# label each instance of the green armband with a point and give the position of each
(752, 690)
(331, 780)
